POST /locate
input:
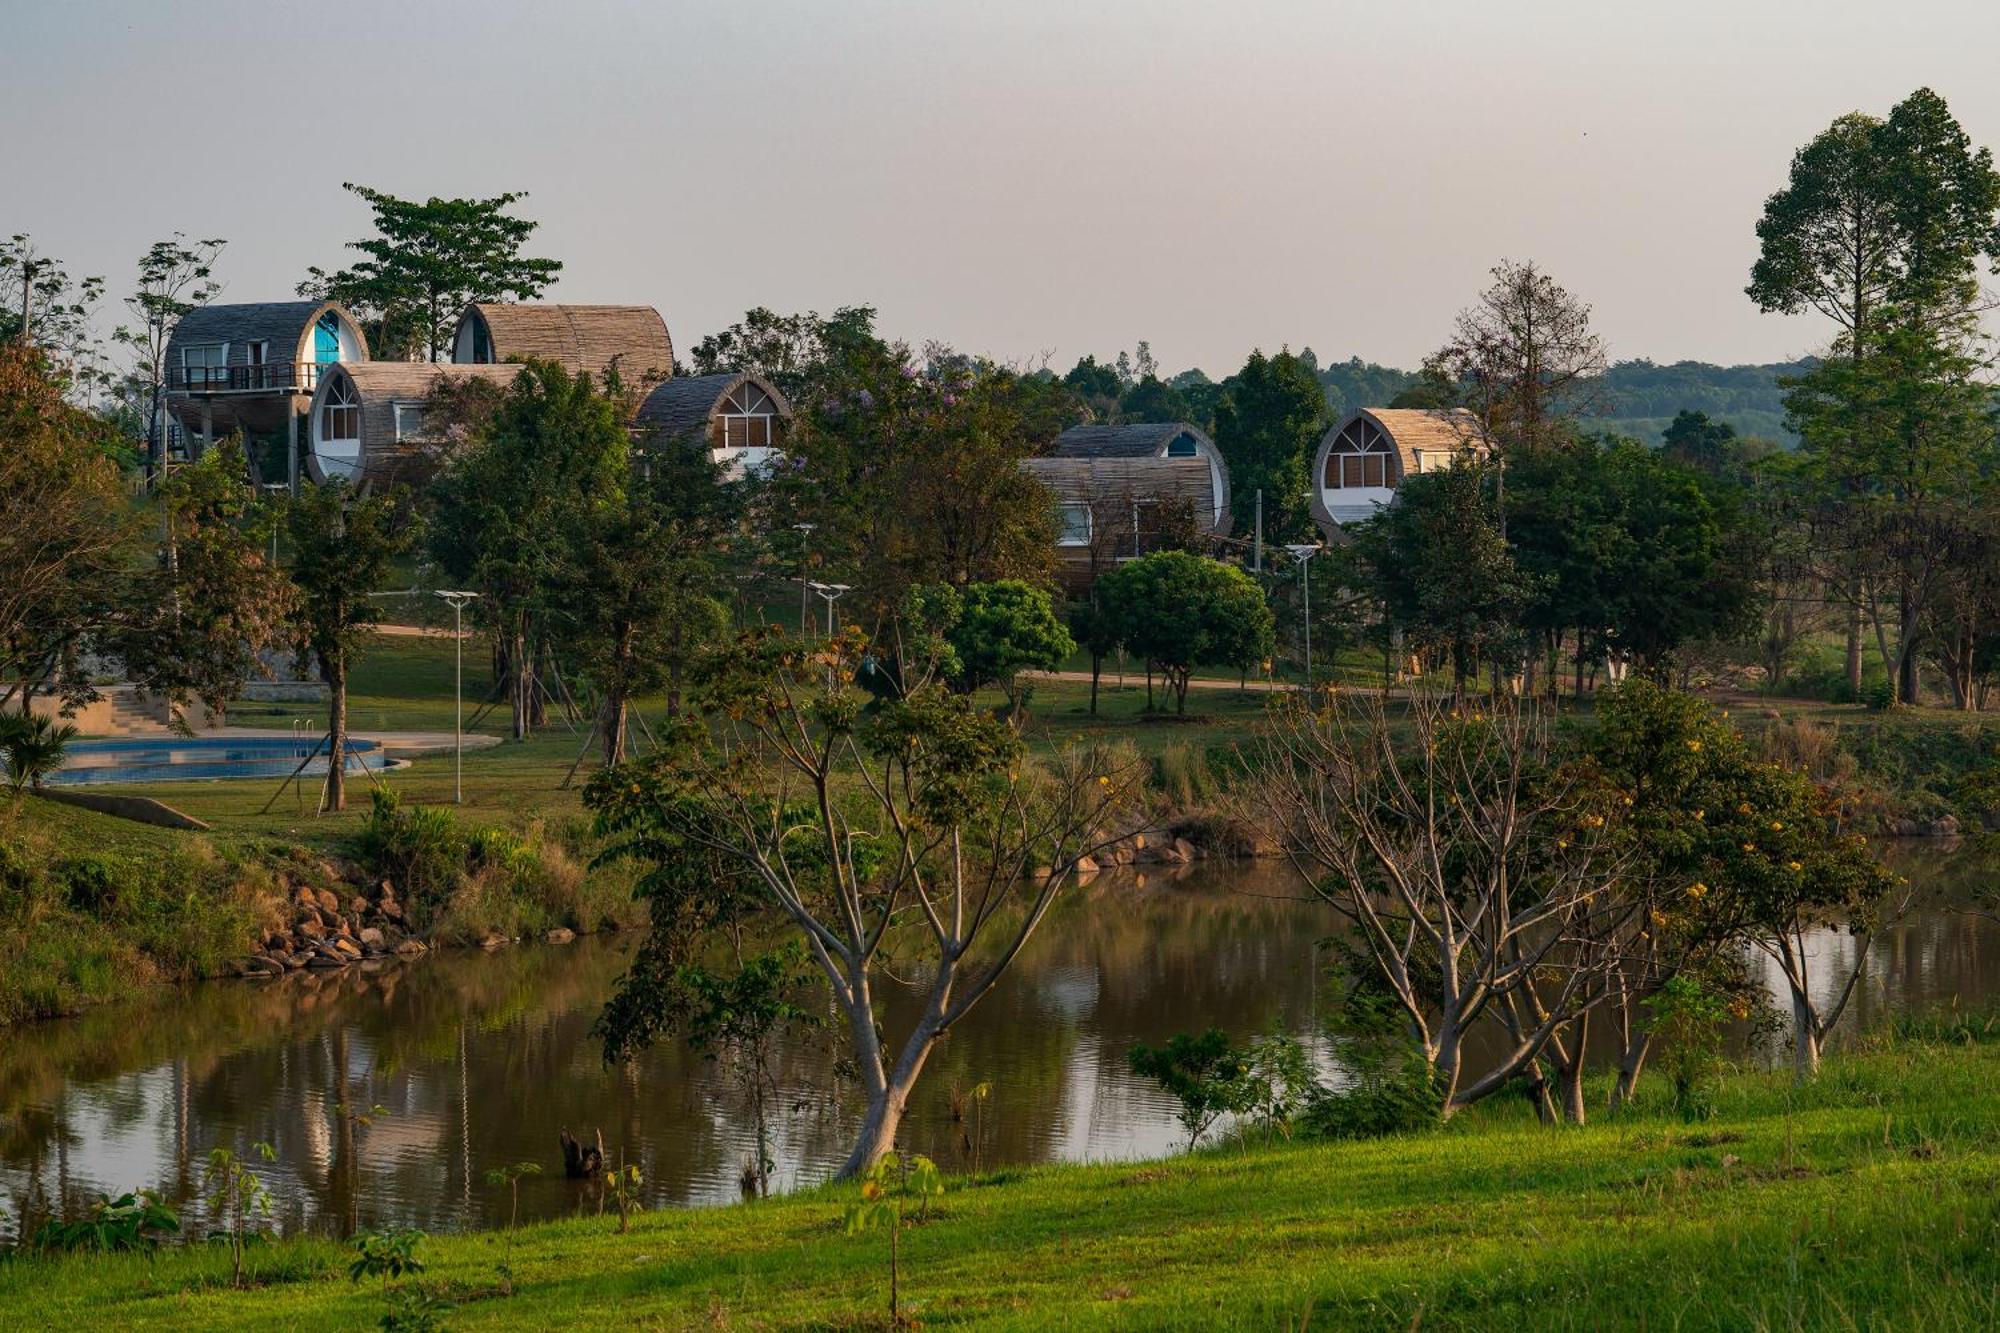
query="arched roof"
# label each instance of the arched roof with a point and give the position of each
(683, 406)
(279, 323)
(1408, 431)
(581, 338)
(378, 386)
(1139, 439)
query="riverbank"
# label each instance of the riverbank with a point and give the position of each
(1866, 1199)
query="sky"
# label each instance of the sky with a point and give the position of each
(1027, 179)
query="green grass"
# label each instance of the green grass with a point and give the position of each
(1867, 1200)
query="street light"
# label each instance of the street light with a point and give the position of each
(458, 600)
(804, 530)
(275, 486)
(830, 592)
(1303, 552)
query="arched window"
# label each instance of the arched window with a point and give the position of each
(746, 419)
(1359, 459)
(340, 414)
(1183, 446)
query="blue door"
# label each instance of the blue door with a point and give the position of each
(326, 339)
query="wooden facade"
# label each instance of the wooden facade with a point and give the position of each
(1366, 455)
(1154, 439)
(592, 339)
(1117, 509)
(367, 420)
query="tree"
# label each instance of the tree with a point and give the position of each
(66, 530)
(41, 304)
(175, 280)
(1005, 628)
(198, 624)
(1440, 568)
(640, 592)
(1469, 860)
(795, 352)
(343, 546)
(507, 506)
(1181, 611)
(428, 261)
(1524, 359)
(1267, 426)
(1094, 629)
(922, 811)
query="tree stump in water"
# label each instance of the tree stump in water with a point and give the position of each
(581, 1162)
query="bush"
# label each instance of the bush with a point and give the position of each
(1393, 1097)
(419, 849)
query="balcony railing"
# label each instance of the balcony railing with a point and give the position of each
(271, 377)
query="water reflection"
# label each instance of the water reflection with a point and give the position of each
(478, 1060)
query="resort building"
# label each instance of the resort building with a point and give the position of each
(254, 368)
(368, 420)
(598, 339)
(1127, 491)
(1365, 457)
(742, 416)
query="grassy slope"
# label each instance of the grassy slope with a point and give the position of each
(1867, 1200)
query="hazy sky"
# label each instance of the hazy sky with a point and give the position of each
(1016, 177)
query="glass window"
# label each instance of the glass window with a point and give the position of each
(205, 365)
(1075, 525)
(1359, 458)
(409, 421)
(340, 414)
(1183, 446)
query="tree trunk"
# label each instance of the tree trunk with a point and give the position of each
(1096, 670)
(1805, 1037)
(1571, 1073)
(1631, 1063)
(612, 727)
(517, 663)
(1854, 642)
(336, 725)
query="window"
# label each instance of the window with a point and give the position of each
(409, 421)
(340, 414)
(747, 419)
(1076, 527)
(259, 352)
(1359, 459)
(1183, 446)
(205, 365)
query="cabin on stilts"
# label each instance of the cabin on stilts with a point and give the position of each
(254, 368)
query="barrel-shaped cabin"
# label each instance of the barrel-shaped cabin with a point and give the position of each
(742, 417)
(592, 339)
(1165, 441)
(369, 424)
(1366, 455)
(1114, 509)
(253, 367)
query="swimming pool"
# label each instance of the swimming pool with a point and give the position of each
(179, 759)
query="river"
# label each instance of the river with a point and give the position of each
(476, 1060)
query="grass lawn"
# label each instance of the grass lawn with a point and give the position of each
(1869, 1199)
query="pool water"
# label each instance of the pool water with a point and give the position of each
(178, 759)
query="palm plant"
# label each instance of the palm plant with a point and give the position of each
(34, 748)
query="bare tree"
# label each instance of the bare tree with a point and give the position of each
(174, 281)
(924, 827)
(1478, 872)
(1523, 359)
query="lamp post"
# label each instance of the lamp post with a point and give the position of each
(830, 593)
(804, 530)
(269, 488)
(458, 600)
(1303, 552)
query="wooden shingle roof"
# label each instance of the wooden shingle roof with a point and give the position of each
(592, 338)
(1412, 429)
(1124, 480)
(682, 406)
(1142, 439)
(282, 324)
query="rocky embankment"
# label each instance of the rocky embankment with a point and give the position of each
(329, 932)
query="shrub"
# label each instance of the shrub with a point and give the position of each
(1204, 1073)
(34, 747)
(419, 848)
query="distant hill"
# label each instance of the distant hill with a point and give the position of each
(1638, 398)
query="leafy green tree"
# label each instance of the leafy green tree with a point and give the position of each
(1004, 628)
(41, 304)
(1181, 611)
(1267, 426)
(1095, 629)
(1207, 1075)
(1152, 400)
(1439, 567)
(343, 547)
(426, 262)
(800, 353)
(508, 504)
(199, 622)
(641, 590)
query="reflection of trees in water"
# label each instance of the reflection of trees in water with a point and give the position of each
(479, 1058)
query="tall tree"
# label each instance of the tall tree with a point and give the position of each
(1524, 359)
(428, 261)
(343, 545)
(42, 303)
(1267, 426)
(1180, 611)
(507, 505)
(175, 279)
